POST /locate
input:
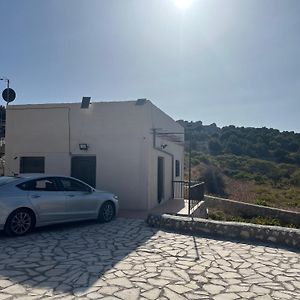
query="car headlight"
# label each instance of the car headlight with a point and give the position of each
(115, 197)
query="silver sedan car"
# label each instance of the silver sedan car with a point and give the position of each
(35, 201)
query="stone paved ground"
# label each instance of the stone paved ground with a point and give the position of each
(127, 260)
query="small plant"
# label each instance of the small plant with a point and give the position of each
(265, 221)
(216, 215)
(219, 215)
(261, 202)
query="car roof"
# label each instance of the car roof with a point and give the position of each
(39, 175)
(25, 177)
(42, 175)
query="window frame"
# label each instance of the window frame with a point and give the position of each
(38, 190)
(62, 189)
(177, 168)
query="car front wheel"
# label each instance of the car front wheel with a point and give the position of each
(19, 222)
(107, 212)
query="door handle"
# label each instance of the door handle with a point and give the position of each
(71, 196)
(35, 196)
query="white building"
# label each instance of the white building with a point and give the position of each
(131, 148)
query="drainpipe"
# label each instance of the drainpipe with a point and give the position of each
(190, 171)
(69, 130)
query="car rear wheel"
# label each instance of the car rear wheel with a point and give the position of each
(107, 212)
(19, 222)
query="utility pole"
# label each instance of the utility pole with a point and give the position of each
(190, 169)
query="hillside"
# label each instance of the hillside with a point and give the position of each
(256, 165)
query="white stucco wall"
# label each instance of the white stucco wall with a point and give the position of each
(172, 152)
(118, 134)
(37, 131)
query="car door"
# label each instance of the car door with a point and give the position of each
(48, 201)
(81, 202)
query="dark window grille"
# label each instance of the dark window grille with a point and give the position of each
(177, 168)
(32, 164)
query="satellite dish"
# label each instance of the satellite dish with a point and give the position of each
(9, 95)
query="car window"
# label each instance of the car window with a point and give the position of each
(43, 184)
(68, 184)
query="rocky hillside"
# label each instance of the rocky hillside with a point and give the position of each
(257, 165)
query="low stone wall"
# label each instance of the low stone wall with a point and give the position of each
(242, 209)
(231, 230)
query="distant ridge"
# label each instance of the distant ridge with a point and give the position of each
(262, 143)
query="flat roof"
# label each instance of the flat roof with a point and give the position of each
(67, 104)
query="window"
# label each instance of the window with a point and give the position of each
(43, 184)
(69, 185)
(32, 164)
(177, 168)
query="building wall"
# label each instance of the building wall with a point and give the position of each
(172, 152)
(118, 134)
(37, 131)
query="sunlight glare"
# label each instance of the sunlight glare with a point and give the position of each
(183, 4)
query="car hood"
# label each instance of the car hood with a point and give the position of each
(104, 192)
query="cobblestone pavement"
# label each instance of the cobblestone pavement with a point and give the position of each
(127, 260)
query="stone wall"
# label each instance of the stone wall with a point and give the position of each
(242, 209)
(231, 230)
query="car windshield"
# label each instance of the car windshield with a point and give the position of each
(4, 180)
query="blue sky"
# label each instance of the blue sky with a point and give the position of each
(229, 62)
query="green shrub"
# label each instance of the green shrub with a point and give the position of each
(214, 182)
(295, 178)
(265, 221)
(261, 202)
(221, 216)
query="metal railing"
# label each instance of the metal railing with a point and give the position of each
(2, 164)
(193, 192)
(2, 147)
(180, 189)
(195, 196)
